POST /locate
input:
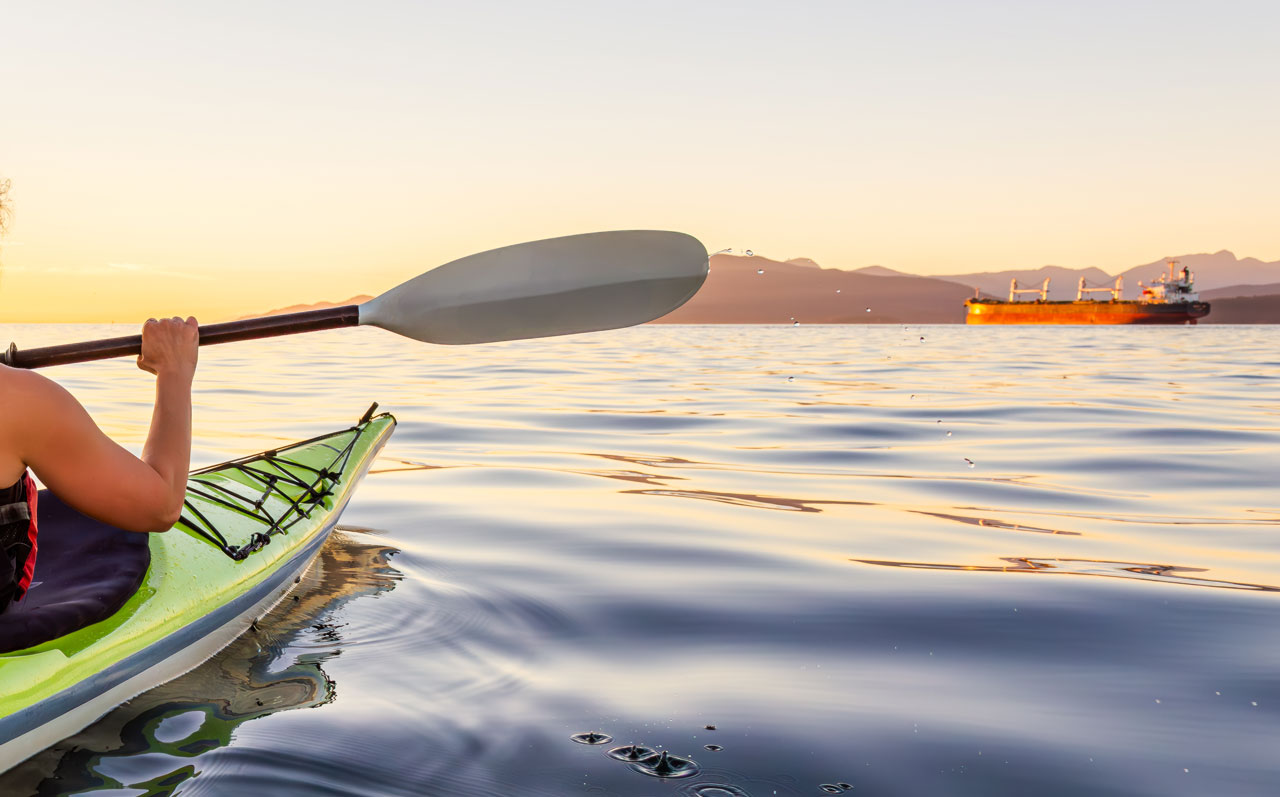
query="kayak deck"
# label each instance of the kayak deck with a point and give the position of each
(274, 510)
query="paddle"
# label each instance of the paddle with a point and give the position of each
(579, 283)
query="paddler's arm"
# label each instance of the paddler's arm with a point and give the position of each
(89, 471)
(169, 350)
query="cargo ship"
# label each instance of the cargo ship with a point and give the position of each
(1169, 299)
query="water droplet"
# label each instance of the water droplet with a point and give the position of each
(844, 785)
(631, 752)
(922, 338)
(759, 271)
(750, 253)
(795, 323)
(966, 459)
(715, 748)
(666, 765)
(868, 309)
(1253, 703)
(791, 379)
(830, 788)
(718, 790)
(837, 290)
(709, 727)
(948, 434)
(591, 737)
(1157, 700)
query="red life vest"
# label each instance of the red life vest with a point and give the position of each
(17, 539)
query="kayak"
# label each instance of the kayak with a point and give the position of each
(114, 613)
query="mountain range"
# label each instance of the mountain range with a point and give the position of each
(758, 290)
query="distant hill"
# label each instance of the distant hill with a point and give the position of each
(298, 308)
(881, 271)
(756, 290)
(1212, 271)
(803, 261)
(1218, 270)
(1241, 290)
(1245, 310)
(1063, 282)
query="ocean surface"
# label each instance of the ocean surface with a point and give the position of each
(878, 560)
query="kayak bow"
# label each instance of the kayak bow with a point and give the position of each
(250, 528)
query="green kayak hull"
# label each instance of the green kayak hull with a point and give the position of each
(195, 598)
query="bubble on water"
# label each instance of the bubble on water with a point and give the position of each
(715, 748)
(750, 253)
(759, 271)
(591, 737)
(969, 461)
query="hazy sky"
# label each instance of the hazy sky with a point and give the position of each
(222, 158)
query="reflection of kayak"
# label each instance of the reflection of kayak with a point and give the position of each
(277, 667)
(133, 611)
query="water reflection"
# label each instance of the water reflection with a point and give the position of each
(995, 524)
(149, 743)
(751, 499)
(1169, 574)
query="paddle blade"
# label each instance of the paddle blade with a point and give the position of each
(560, 286)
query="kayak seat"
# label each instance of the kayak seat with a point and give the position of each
(85, 571)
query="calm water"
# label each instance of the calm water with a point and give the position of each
(925, 560)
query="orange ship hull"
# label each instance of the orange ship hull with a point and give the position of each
(994, 311)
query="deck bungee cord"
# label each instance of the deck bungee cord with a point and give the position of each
(274, 474)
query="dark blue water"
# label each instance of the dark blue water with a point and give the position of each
(878, 560)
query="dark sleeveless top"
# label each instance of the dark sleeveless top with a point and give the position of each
(17, 539)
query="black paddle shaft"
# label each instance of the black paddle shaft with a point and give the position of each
(229, 332)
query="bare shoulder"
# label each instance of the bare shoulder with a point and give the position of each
(19, 384)
(31, 402)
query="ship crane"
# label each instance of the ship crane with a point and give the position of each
(1014, 290)
(1115, 290)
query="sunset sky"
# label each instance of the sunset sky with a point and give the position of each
(223, 158)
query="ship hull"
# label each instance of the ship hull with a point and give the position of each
(991, 311)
